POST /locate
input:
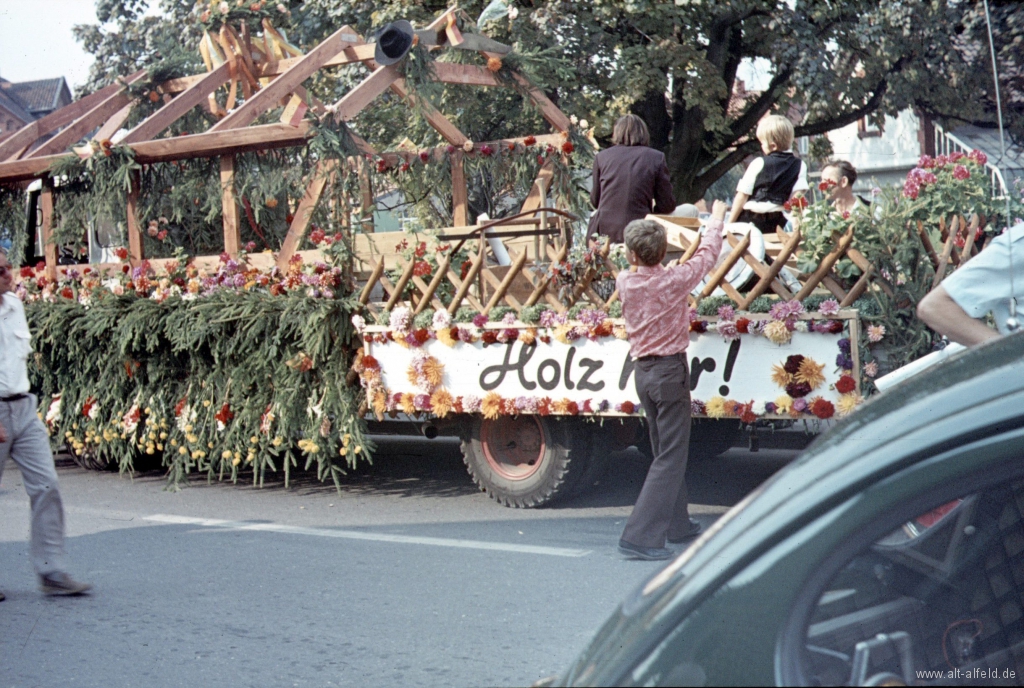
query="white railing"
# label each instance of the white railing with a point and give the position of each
(946, 143)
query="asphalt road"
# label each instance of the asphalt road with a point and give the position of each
(408, 576)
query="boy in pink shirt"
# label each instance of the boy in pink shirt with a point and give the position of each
(654, 304)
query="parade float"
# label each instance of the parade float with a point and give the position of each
(246, 316)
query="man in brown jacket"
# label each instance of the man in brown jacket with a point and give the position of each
(628, 179)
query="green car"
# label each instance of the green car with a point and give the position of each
(890, 552)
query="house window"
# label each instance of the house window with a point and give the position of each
(867, 129)
(802, 145)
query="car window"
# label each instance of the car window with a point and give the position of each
(937, 601)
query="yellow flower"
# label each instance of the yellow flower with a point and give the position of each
(408, 403)
(848, 402)
(174, 443)
(254, 439)
(784, 403)
(234, 462)
(182, 450)
(715, 407)
(810, 372)
(226, 454)
(346, 439)
(380, 402)
(560, 406)
(780, 376)
(358, 449)
(528, 337)
(163, 435)
(206, 403)
(444, 335)
(343, 451)
(159, 446)
(433, 370)
(441, 401)
(561, 333)
(620, 332)
(209, 445)
(188, 428)
(277, 441)
(777, 332)
(491, 406)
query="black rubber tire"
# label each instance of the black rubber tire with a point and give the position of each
(90, 459)
(561, 446)
(708, 439)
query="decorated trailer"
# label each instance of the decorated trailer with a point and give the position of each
(253, 320)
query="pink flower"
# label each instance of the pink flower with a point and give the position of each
(926, 162)
(727, 313)
(479, 319)
(976, 156)
(727, 328)
(956, 156)
(961, 172)
(829, 307)
(875, 333)
(871, 369)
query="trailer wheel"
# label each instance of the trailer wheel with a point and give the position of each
(524, 461)
(90, 459)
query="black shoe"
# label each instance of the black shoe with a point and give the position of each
(2, 597)
(695, 528)
(646, 553)
(62, 584)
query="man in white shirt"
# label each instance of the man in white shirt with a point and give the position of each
(23, 438)
(980, 286)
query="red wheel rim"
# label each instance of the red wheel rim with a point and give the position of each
(514, 447)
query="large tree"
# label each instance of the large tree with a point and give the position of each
(674, 63)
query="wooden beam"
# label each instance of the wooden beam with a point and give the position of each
(442, 124)
(81, 126)
(460, 191)
(46, 230)
(548, 110)
(364, 93)
(232, 217)
(473, 75)
(113, 125)
(27, 135)
(284, 84)
(304, 213)
(152, 126)
(135, 250)
(536, 197)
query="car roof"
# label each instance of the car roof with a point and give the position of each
(934, 410)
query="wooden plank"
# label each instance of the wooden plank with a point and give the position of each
(773, 270)
(472, 75)
(462, 285)
(537, 196)
(27, 135)
(133, 230)
(460, 192)
(972, 232)
(940, 271)
(825, 266)
(468, 298)
(431, 289)
(718, 275)
(926, 240)
(46, 230)
(830, 283)
(442, 124)
(152, 126)
(378, 270)
(396, 295)
(229, 204)
(112, 125)
(548, 110)
(81, 126)
(303, 215)
(545, 280)
(284, 84)
(364, 93)
(859, 288)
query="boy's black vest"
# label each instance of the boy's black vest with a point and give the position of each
(775, 182)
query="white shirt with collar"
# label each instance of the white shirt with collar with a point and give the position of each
(15, 346)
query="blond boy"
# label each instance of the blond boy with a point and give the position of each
(770, 180)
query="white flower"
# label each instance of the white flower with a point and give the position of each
(584, 124)
(759, 408)
(513, 12)
(117, 289)
(800, 326)
(574, 119)
(358, 322)
(223, 8)
(53, 413)
(442, 320)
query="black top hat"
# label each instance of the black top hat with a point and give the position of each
(393, 42)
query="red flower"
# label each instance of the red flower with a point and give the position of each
(424, 156)
(382, 165)
(530, 140)
(87, 406)
(826, 184)
(67, 293)
(511, 147)
(573, 408)
(370, 363)
(404, 167)
(746, 413)
(698, 326)
(846, 384)
(489, 336)
(179, 407)
(26, 273)
(121, 253)
(544, 407)
(486, 150)
(798, 389)
(823, 408)
(288, 218)
(457, 406)
(41, 265)
(587, 408)
(317, 236)
(422, 335)
(161, 235)
(976, 156)
(449, 149)
(603, 330)
(835, 326)
(743, 325)
(960, 172)
(567, 148)
(454, 333)
(540, 159)
(792, 365)
(421, 268)
(627, 407)
(225, 414)
(421, 249)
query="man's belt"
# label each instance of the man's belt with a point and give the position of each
(14, 397)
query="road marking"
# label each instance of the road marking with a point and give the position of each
(360, 535)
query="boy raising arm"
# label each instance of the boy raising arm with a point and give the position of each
(654, 305)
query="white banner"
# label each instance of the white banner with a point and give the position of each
(740, 370)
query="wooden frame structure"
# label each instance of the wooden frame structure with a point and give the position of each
(30, 152)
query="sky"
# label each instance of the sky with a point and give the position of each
(36, 40)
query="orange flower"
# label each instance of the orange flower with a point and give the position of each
(442, 402)
(491, 406)
(494, 64)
